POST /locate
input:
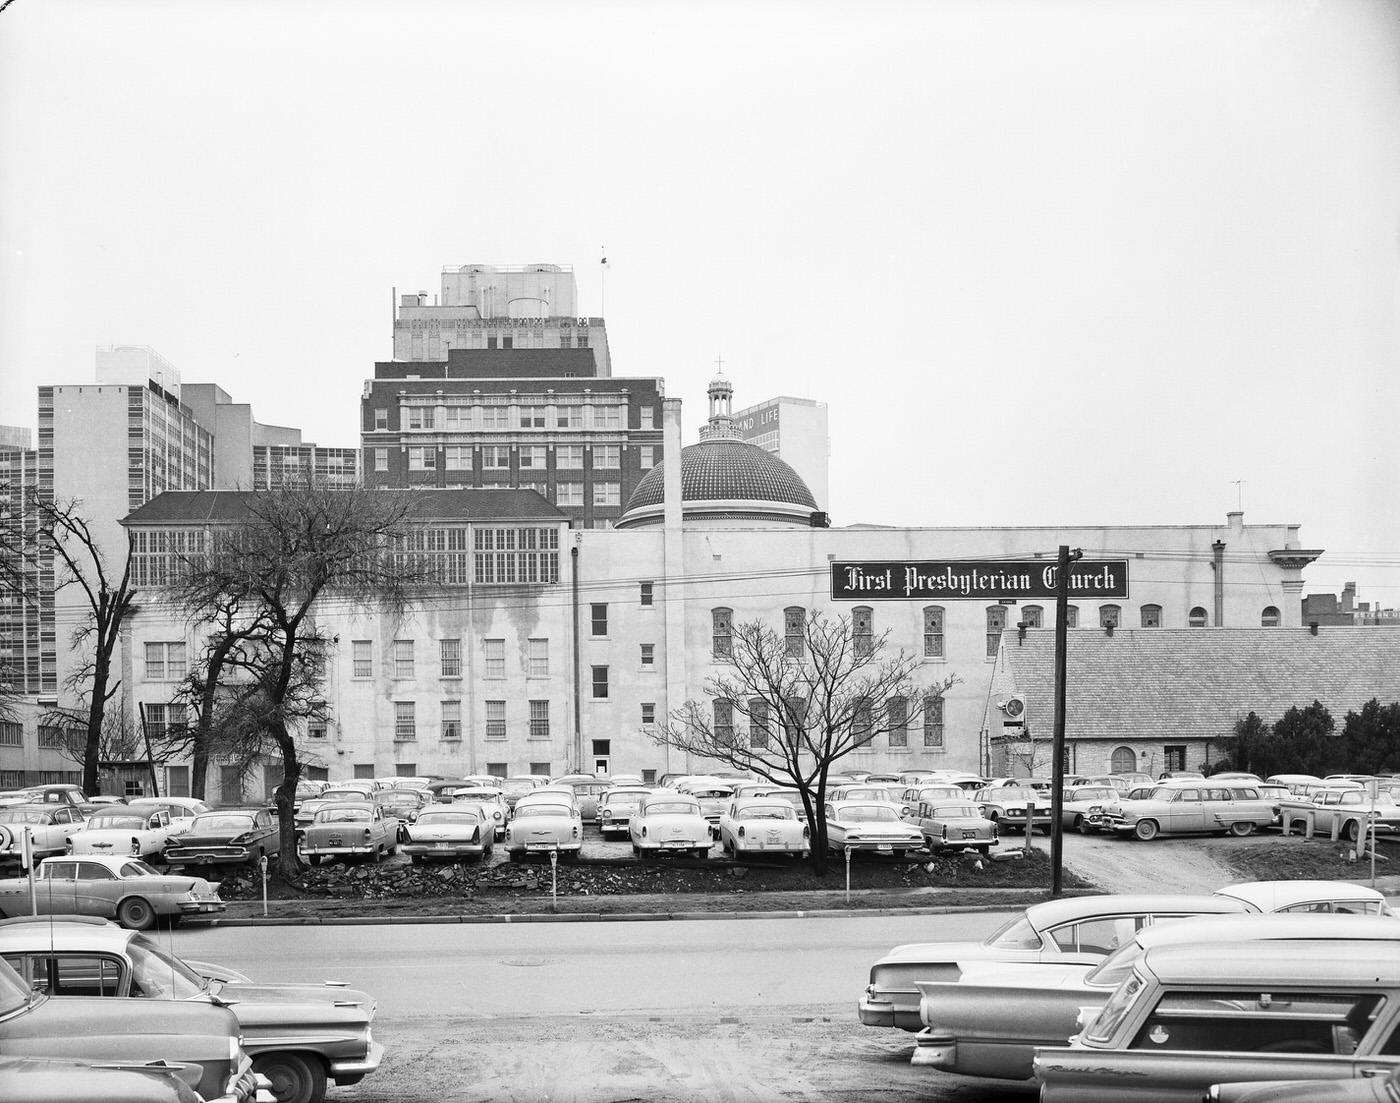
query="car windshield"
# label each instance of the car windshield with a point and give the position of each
(622, 800)
(1008, 793)
(966, 811)
(671, 808)
(344, 815)
(537, 811)
(1015, 934)
(1103, 792)
(134, 867)
(102, 821)
(344, 794)
(510, 786)
(869, 813)
(222, 822)
(22, 815)
(159, 975)
(431, 818)
(1116, 968)
(767, 812)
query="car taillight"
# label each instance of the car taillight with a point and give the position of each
(741, 832)
(806, 832)
(136, 846)
(366, 834)
(944, 830)
(575, 832)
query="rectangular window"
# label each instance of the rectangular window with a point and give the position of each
(495, 457)
(758, 724)
(996, 624)
(648, 713)
(607, 455)
(539, 719)
(458, 419)
(648, 656)
(494, 654)
(422, 459)
(863, 723)
(607, 417)
(533, 457)
(568, 494)
(598, 618)
(1174, 756)
(897, 715)
(315, 729)
(933, 632)
(532, 417)
(165, 662)
(722, 629)
(457, 457)
(451, 719)
(646, 593)
(381, 459)
(451, 658)
(795, 630)
(646, 457)
(537, 656)
(515, 555)
(416, 419)
(724, 723)
(495, 719)
(933, 721)
(568, 457)
(362, 658)
(403, 658)
(495, 417)
(862, 630)
(600, 683)
(11, 734)
(607, 494)
(381, 421)
(405, 723)
(1071, 616)
(648, 414)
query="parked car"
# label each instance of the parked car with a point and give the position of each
(1080, 929)
(914, 795)
(1368, 1089)
(450, 832)
(1295, 782)
(1192, 807)
(349, 829)
(865, 791)
(402, 806)
(200, 1045)
(955, 825)
(49, 826)
(36, 1080)
(514, 787)
(1346, 812)
(990, 1021)
(1084, 806)
(140, 830)
(113, 887)
(764, 825)
(231, 836)
(1190, 1016)
(669, 822)
(872, 826)
(617, 807)
(53, 793)
(1309, 896)
(489, 797)
(1006, 806)
(298, 1035)
(714, 798)
(543, 822)
(306, 811)
(182, 810)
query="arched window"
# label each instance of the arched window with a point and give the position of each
(1198, 617)
(722, 621)
(1110, 615)
(1033, 616)
(1071, 616)
(724, 723)
(863, 629)
(933, 632)
(1123, 761)
(897, 719)
(795, 629)
(996, 624)
(1152, 616)
(1269, 618)
(933, 721)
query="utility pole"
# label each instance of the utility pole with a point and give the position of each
(1057, 745)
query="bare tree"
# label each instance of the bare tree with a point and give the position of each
(257, 586)
(110, 598)
(788, 708)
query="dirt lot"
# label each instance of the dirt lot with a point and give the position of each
(618, 886)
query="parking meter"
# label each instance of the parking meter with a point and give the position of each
(262, 865)
(554, 876)
(849, 851)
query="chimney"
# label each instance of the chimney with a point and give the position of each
(1349, 597)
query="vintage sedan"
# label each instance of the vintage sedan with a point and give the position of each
(764, 825)
(231, 836)
(344, 791)
(488, 796)
(402, 806)
(49, 826)
(990, 1021)
(1076, 930)
(200, 1045)
(1005, 805)
(544, 822)
(954, 825)
(1308, 897)
(140, 830)
(617, 807)
(113, 887)
(449, 833)
(912, 797)
(349, 829)
(872, 826)
(867, 791)
(1192, 806)
(299, 1036)
(1190, 1016)
(669, 822)
(1084, 806)
(1344, 812)
(39, 1080)
(714, 798)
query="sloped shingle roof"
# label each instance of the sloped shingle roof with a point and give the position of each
(1194, 683)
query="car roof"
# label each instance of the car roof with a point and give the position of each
(1249, 927)
(1289, 961)
(111, 861)
(1051, 913)
(63, 933)
(1269, 896)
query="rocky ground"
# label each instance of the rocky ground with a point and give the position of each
(618, 886)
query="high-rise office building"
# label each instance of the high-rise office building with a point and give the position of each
(794, 430)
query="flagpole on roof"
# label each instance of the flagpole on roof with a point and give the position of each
(603, 287)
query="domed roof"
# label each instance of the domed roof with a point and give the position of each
(735, 478)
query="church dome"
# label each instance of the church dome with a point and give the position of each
(725, 479)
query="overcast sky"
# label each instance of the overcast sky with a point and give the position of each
(1048, 262)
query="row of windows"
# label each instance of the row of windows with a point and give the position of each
(761, 728)
(403, 659)
(508, 415)
(502, 457)
(450, 723)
